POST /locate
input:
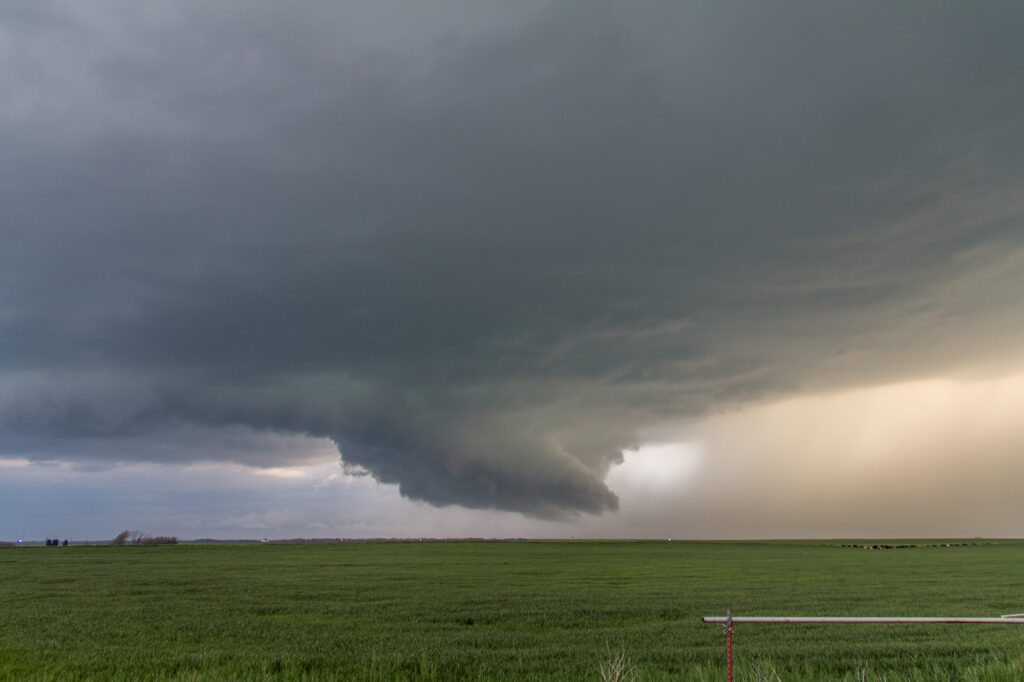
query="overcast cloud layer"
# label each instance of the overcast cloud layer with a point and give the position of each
(485, 249)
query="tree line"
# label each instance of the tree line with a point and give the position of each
(137, 537)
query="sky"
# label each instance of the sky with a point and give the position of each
(535, 269)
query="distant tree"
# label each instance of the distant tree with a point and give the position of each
(137, 537)
(159, 540)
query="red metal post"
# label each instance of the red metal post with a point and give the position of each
(728, 644)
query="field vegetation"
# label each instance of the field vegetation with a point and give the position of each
(503, 611)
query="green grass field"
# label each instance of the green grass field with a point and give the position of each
(502, 611)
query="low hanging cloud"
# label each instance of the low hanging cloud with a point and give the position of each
(482, 251)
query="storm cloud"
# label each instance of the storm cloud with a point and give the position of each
(482, 249)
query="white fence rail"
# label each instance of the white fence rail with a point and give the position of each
(723, 620)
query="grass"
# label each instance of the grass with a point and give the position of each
(502, 611)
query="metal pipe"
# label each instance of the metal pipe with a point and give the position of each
(1005, 620)
(728, 644)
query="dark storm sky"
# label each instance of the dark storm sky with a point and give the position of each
(484, 249)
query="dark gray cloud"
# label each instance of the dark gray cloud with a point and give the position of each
(480, 248)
